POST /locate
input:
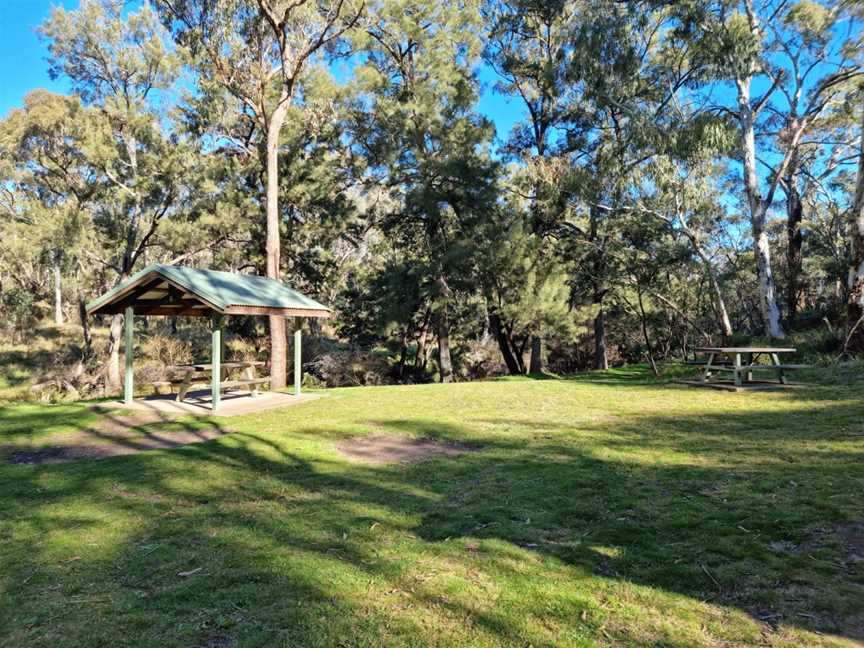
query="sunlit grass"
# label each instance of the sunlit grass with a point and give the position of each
(608, 510)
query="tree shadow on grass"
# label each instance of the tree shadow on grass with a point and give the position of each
(300, 546)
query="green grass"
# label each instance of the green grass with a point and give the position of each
(604, 511)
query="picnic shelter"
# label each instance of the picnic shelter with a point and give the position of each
(169, 290)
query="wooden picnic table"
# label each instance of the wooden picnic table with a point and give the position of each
(743, 361)
(198, 370)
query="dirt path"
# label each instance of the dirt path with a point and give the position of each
(398, 449)
(114, 434)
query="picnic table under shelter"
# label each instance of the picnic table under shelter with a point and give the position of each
(169, 290)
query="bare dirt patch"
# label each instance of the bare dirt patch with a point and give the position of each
(112, 435)
(852, 537)
(399, 449)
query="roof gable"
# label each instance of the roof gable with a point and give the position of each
(217, 291)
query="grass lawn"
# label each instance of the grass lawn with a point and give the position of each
(602, 511)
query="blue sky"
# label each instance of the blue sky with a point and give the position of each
(22, 55)
(23, 67)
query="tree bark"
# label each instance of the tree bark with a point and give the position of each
(536, 362)
(719, 302)
(758, 214)
(403, 354)
(445, 364)
(127, 262)
(601, 360)
(85, 327)
(58, 292)
(114, 335)
(794, 240)
(278, 328)
(503, 344)
(421, 358)
(855, 308)
(442, 323)
(643, 320)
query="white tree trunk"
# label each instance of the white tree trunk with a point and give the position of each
(719, 302)
(758, 214)
(855, 313)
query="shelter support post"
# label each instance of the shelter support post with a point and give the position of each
(129, 353)
(216, 361)
(298, 355)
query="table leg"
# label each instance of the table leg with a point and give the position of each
(737, 372)
(780, 375)
(750, 359)
(706, 373)
(184, 387)
(249, 374)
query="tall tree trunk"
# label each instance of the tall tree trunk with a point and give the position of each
(536, 363)
(421, 359)
(403, 354)
(445, 364)
(442, 323)
(85, 327)
(643, 320)
(278, 328)
(58, 292)
(794, 239)
(719, 302)
(503, 344)
(758, 214)
(114, 334)
(127, 262)
(855, 308)
(601, 360)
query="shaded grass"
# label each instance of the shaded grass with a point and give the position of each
(606, 510)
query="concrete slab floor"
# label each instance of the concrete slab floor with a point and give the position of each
(198, 403)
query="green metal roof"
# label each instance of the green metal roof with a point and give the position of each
(222, 290)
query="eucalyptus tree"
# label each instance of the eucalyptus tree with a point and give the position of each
(626, 75)
(799, 52)
(257, 52)
(685, 195)
(855, 311)
(48, 182)
(421, 135)
(119, 63)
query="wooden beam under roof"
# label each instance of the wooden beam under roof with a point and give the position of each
(194, 311)
(284, 312)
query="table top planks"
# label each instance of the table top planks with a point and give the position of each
(745, 350)
(206, 366)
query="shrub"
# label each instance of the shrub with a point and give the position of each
(349, 368)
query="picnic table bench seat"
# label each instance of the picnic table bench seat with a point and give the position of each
(199, 374)
(245, 383)
(757, 367)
